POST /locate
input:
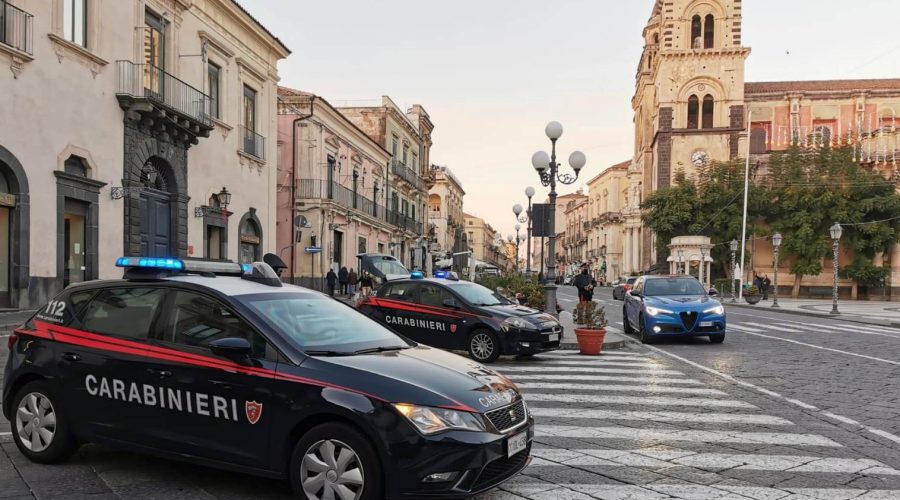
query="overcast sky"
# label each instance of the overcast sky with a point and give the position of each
(492, 73)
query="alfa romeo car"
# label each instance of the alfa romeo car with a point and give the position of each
(660, 306)
(227, 367)
(461, 315)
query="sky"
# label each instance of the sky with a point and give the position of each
(492, 73)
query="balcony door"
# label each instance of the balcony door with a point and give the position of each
(250, 145)
(154, 54)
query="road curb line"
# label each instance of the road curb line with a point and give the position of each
(850, 319)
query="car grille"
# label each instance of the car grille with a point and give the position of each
(508, 417)
(689, 319)
(501, 469)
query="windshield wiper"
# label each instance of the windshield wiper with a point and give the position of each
(381, 349)
(329, 353)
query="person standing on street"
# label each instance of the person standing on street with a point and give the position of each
(365, 284)
(352, 280)
(331, 281)
(582, 282)
(765, 288)
(343, 280)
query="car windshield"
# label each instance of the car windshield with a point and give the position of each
(673, 286)
(478, 295)
(318, 323)
(389, 266)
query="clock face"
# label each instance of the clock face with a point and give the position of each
(700, 158)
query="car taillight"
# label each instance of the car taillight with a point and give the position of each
(627, 288)
(12, 340)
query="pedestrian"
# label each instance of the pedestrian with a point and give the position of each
(343, 280)
(365, 284)
(766, 283)
(582, 283)
(589, 290)
(352, 280)
(330, 281)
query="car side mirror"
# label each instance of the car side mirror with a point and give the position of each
(234, 348)
(450, 303)
(713, 292)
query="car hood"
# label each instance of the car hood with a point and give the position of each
(419, 375)
(515, 310)
(681, 302)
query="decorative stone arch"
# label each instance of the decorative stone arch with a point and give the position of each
(19, 233)
(250, 218)
(700, 86)
(432, 198)
(703, 8)
(84, 154)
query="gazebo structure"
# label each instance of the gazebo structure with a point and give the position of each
(690, 255)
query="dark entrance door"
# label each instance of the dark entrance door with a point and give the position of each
(156, 222)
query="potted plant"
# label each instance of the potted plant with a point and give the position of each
(591, 331)
(752, 295)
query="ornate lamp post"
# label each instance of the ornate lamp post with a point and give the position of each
(518, 227)
(548, 171)
(836, 232)
(776, 246)
(734, 247)
(529, 193)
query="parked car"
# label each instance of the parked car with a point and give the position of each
(675, 306)
(622, 286)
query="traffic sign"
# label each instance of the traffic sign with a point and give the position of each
(312, 249)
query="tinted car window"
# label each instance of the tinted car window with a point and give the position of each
(124, 312)
(400, 291)
(196, 320)
(433, 295)
(674, 286)
(479, 295)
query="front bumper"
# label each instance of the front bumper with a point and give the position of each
(683, 324)
(478, 459)
(516, 342)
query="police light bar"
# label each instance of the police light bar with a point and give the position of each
(416, 275)
(186, 265)
(441, 274)
(150, 263)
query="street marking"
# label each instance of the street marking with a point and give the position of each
(873, 358)
(637, 360)
(558, 354)
(743, 328)
(598, 363)
(818, 328)
(581, 369)
(638, 400)
(644, 435)
(659, 416)
(658, 491)
(712, 461)
(773, 327)
(3, 434)
(840, 418)
(623, 388)
(609, 378)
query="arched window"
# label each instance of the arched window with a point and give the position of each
(696, 32)
(656, 39)
(250, 241)
(693, 112)
(75, 165)
(709, 31)
(708, 108)
(822, 136)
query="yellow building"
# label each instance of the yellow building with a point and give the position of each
(485, 242)
(575, 239)
(606, 222)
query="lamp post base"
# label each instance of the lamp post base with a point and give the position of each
(550, 298)
(775, 305)
(834, 311)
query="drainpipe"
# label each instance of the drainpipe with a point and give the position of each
(294, 148)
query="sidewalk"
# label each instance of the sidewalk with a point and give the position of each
(857, 311)
(9, 321)
(612, 341)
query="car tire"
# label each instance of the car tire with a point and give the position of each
(644, 337)
(313, 472)
(484, 346)
(717, 339)
(36, 405)
(626, 325)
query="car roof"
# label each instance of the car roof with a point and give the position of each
(439, 281)
(226, 285)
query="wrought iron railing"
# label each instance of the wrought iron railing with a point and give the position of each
(253, 143)
(16, 28)
(400, 169)
(146, 81)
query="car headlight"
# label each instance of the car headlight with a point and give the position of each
(654, 311)
(432, 420)
(718, 310)
(517, 323)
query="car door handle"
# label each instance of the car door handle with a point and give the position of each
(71, 356)
(226, 386)
(159, 373)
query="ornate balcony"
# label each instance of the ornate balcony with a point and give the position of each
(252, 143)
(16, 28)
(400, 169)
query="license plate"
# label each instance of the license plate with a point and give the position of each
(516, 444)
(553, 337)
(706, 323)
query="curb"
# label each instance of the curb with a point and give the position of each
(608, 345)
(842, 317)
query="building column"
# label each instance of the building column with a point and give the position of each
(625, 253)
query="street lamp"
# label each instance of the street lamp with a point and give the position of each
(518, 227)
(734, 247)
(548, 170)
(776, 245)
(836, 232)
(529, 193)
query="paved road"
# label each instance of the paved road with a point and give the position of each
(757, 417)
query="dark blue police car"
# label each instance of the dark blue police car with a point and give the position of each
(226, 367)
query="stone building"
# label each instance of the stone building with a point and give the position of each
(539, 248)
(407, 137)
(332, 180)
(486, 243)
(576, 232)
(606, 230)
(691, 105)
(125, 121)
(445, 211)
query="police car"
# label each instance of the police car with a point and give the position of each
(460, 315)
(229, 368)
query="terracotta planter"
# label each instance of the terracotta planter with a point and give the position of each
(752, 299)
(590, 341)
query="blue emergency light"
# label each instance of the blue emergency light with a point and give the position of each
(150, 263)
(416, 275)
(441, 274)
(246, 268)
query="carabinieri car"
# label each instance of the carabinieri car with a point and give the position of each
(202, 362)
(672, 306)
(461, 315)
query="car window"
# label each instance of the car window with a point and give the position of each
(433, 295)
(638, 287)
(400, 291)
(631, 281)
(124, 312)
(674, 286)
(479, 295)
(195, 320)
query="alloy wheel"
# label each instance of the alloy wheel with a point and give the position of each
(36, 422)
(330, 469)
(482, 346)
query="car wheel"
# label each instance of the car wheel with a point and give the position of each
(642, 331)
(335, 461)
(484, 347)
(626, 325)
(40, 428)
(717, 339)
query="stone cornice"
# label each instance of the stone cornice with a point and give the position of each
(734, 52)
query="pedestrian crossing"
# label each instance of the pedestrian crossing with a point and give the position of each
(628, 425)
(785, 326)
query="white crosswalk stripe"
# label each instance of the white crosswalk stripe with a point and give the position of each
(585, 369)
(602, 359)
(664, 435)
(743, 328)
(637, 400)
(617, 353)
(657, 389)
(659, 416)
(599, 363)
(772, 327)
(612, 378)
(663, 491)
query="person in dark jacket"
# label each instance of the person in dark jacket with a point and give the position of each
(343, 280)
(330, 281)
(366, 283)
(766, 282)
(582, 282)
(352, 280)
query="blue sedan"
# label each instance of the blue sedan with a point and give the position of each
(672, 306)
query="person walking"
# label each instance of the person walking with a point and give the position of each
(352, 280)
(765, 288)
(365, 284)
(582, 282)
(331, 281)
(343, 280)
